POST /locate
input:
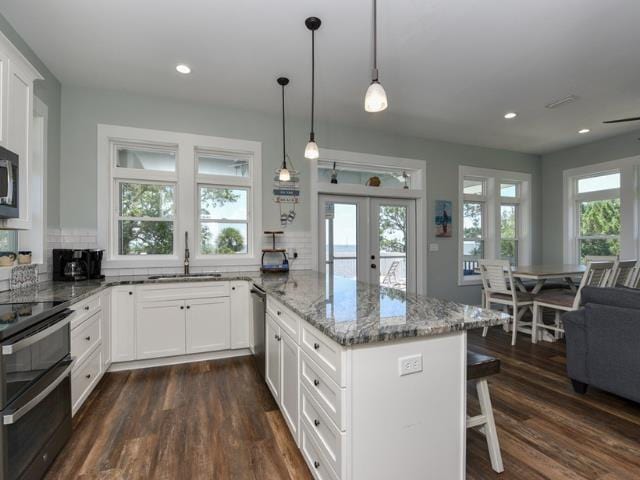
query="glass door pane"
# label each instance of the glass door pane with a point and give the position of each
(393, 243)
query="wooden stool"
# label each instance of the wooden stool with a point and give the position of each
(479, 367)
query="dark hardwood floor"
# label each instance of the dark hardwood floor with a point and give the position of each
(217, 420)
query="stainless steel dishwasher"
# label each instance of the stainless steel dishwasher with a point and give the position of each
(259, 298)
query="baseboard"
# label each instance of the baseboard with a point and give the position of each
(194, 357)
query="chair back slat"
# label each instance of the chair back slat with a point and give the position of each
(597, 274)
(623, 273)
(496, 276)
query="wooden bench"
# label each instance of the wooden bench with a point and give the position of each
(479, 368)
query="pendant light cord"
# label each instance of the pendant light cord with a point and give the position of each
(313, 79)
(375, 41)
(284, 145)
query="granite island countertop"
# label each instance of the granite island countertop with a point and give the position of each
(347, 311)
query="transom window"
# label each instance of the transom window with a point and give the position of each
(495, 218)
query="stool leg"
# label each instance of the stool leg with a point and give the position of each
(489, 428)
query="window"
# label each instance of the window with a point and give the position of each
(495, 219)
(170, 191)
(224, 221)
(146, 214)
(597, 215)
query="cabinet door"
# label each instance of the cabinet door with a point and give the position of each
(20, 103)
(272, 345)
(240, 315)
(208, 325)
(123, 325)
(160, 329)
(289, 393)
(106, 328)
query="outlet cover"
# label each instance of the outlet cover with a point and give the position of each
(409, 365)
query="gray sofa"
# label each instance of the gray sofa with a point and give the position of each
(603, 341)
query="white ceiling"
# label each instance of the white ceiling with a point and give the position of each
(451, 68)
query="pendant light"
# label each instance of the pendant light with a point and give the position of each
(375, 100)
(283, 174)
(311, 151)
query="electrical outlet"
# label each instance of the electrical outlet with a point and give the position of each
(409, 365)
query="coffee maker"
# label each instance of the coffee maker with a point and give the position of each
(76, 265)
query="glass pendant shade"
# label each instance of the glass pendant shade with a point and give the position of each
(311, 151)
(375, 99)
(284, 175)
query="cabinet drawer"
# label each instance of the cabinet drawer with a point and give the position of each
(327, 436)
(325, 352)
(318, 464)
(288, 320)
(86, 337)
(182, 291)
(324, 391)
(84, 309)
(85, 378)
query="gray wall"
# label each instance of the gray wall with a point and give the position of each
(47, 90)
(83, 109)
(553, 166)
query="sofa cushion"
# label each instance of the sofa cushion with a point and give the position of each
(617, 297)
(613, 340)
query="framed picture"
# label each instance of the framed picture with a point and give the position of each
(444, 218)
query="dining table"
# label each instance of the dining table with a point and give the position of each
(542, 273)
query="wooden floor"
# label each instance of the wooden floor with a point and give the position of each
(217, 420)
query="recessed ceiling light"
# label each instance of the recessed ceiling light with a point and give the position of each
(510, 115)
(184, 69)
(584, 130)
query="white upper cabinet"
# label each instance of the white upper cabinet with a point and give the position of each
(16, 121)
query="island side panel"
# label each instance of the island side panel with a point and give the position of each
(413, 426)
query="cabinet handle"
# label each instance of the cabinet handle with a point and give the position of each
(316, 382)
(233, 288)
(316, 422)
(130, 293)
(88, 339)
(316, 346)
(182, 307)
(279, 312)
(88, 375)
(188, 307)
(316, 464)
(86, 307)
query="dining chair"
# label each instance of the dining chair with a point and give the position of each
(634, 280)
(597, 274)
(500, 289)
(624, 273)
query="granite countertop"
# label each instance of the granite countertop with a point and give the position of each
(347, 311)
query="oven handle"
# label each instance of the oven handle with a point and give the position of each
(22, 411)
(12, 348)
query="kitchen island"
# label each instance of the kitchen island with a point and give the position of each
(371, 381)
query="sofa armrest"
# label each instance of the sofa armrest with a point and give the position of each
(575, 327)
(614, 297)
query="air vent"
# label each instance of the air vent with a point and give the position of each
(562, 101)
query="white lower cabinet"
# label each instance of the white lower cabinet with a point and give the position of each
(273, 356)
(160, 329)
(123, 326)
(207, 325)
(240, 315)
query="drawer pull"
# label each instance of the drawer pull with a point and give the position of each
(316, 382)
(130, 293)
(279, 312)
(182, 307)
(233, 288)
(316, 346)
(188, 307)
(88, 375)
(86, 307)
(277, 337)
(316, 464)
(88, 339)
(316, 422)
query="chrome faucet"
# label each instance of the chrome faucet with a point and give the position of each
(186, 253)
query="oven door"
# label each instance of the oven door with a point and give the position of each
(36, 425)
(27, 356)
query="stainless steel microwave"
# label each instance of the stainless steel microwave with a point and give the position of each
(9, 171)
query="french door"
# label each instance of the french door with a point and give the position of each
(368, 238)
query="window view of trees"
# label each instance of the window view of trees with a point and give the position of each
(393, 229)
(223, 216)
(599, 227)
(508, 233)
(146, 219)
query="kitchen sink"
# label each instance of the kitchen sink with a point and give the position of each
(182, 276)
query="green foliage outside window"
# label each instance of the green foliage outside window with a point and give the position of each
(600, 217)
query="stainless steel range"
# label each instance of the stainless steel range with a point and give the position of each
(35, 387)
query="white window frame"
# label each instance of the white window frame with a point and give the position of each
(187, 181)
(628, 193)
(492, 215)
